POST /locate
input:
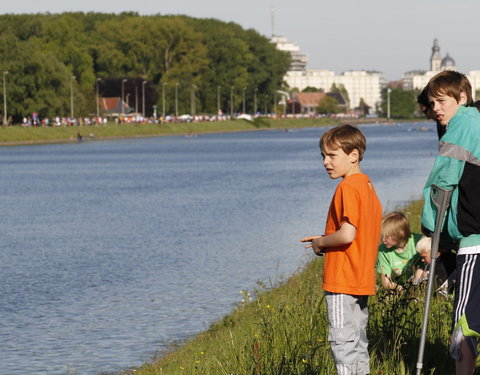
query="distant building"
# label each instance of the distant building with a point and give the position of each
(418, 79)
(362, 86)
(113, 107)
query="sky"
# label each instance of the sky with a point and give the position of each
(392, 37)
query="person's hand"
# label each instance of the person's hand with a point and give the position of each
(309, 239)
(314, 244)
(316, 247)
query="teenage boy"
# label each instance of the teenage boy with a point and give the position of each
(457, 167)
(350, 245)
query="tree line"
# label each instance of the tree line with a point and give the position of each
(53, 62)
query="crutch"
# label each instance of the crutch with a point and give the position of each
(441, 199)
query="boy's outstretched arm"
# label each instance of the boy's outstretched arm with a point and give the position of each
(343, 236)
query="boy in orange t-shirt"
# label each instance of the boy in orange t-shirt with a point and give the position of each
(350, 246)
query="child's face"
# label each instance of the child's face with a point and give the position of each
(389, 242)
(426, 258)
(444, 107)
(338, 163)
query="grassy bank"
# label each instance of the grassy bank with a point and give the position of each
(284, 331)
(15, 135)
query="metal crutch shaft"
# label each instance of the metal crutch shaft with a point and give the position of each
(441, 199)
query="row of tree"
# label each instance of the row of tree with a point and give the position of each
(54, 60)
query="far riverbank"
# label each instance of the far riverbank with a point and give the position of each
(18, 135)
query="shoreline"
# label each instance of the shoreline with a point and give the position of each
(194, 128)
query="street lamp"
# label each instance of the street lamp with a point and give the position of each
(123, 94)
(96, 84)
(136, 102)
(143, 98)
(71, 96)
(192, 97)
(231, 101)
(275, 103)
(243, 100)
(218, 100)
(163, 100)
(389, 90)
(5, 118)
(176, 99)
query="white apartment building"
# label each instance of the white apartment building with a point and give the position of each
(360, 84)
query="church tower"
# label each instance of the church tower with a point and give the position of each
(435, 59)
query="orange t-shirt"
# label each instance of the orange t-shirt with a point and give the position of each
(350, 269)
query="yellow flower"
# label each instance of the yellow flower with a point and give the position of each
(202, 353)
(182, 368)
(304, 360)
(268, 306)
(197, 361)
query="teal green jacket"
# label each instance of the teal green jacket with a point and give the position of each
(457, 167)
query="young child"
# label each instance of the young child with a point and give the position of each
(350, 245)
(457, 167)
(444, 266)
(398, 259)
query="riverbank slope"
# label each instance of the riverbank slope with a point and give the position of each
(283, 330)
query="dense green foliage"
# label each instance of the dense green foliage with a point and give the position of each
(403, 103)
(50, 56)
(328, 105)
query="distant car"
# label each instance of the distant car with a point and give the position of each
(185, 118)
(245, 116)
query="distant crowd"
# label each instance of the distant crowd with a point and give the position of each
(35, 120)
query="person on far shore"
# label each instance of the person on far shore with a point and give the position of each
(350, 246)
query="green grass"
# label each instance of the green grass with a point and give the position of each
(19, 134)
(283, 331)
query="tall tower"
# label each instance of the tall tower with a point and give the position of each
(435, 59)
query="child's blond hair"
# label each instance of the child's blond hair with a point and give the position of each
(396, 226)
(424, 245)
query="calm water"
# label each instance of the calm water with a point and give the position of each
(112, 250)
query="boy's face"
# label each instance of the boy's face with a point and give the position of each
(444, 107)
(426, 258)
(338, 163)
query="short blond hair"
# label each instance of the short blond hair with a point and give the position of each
(424, 245)
(396, 226)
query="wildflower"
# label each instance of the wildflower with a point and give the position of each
(304, 360)
(268, 306)
(197, 361)
(182, 368)
(202, 353)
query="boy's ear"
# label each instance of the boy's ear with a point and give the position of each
(463, 98)
(354, 155)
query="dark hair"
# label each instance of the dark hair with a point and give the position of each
(346, 137)
(451, 83)
(424, 104)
